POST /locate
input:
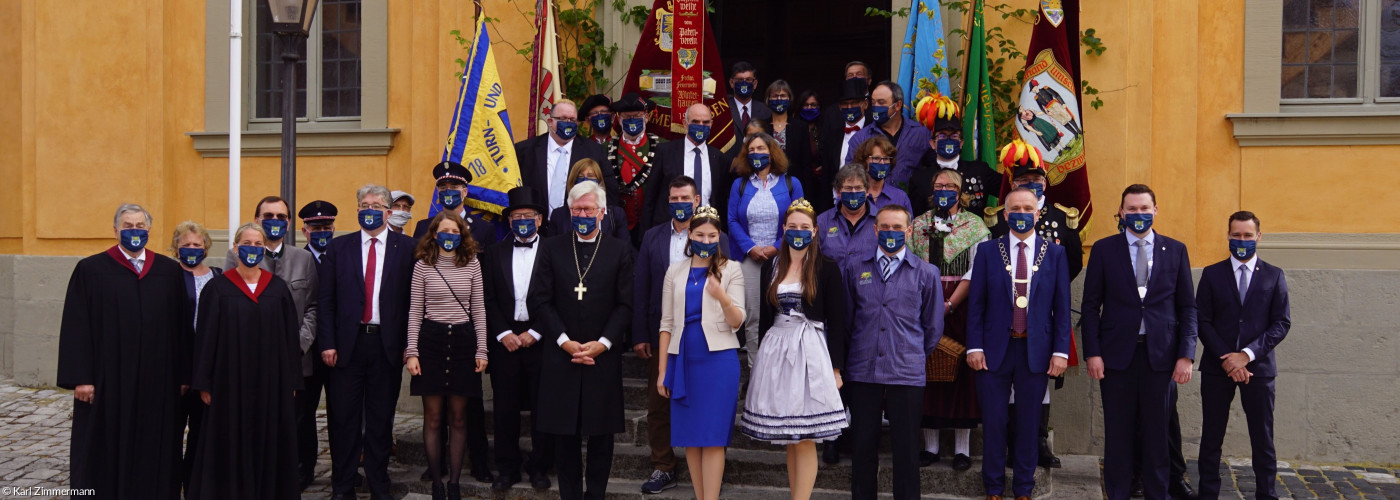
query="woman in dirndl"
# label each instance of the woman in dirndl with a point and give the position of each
(793, 396)
(947, 237)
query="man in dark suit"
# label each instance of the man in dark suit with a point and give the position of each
(508, 270)
(1035, 291)
(1139, 336)
(743, 84)
(695, 158)
(362, 326)
(1243, 315)
(848, 116)
(545, 159)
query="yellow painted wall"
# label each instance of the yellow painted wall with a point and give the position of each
(95, 117)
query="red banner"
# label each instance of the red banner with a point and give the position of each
(654, 65)
(687, 79)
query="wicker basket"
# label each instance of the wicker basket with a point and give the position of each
(942, 365)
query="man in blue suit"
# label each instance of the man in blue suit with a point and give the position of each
(1028, 277)
(362, 330)
(1139, 335)
(1243, 316)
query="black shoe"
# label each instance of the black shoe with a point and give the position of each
(505, 482)
(539, 481)
(962, 462)
(927, 458)
(484, 476)
(1181, 490)
(454, 491)
(439, 491)
(831, 453)
(658, 482)
(1136, 491)
(1047, 457)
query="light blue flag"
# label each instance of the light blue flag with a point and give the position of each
(923, 57)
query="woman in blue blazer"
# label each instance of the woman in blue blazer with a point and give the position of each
(758, 200)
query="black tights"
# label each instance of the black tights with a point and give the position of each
(432, 440)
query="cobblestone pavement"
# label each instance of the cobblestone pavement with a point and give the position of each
(35, 425)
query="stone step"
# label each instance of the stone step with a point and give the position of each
(629, 489)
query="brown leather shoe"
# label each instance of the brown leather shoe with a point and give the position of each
(1023, 497)
(993, 497)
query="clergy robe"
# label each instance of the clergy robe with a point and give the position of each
(128, 335)
(248, 357)
(577, 399)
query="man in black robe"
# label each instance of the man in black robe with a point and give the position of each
(124, 350)
(584, 301)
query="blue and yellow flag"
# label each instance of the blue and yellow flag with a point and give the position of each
(923, 63)
(479, 136)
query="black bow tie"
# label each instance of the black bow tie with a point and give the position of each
(523, 244)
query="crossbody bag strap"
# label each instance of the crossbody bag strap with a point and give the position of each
(454, 293)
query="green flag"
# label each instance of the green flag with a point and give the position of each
(978, 126)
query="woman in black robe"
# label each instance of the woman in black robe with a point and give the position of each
(247, 368)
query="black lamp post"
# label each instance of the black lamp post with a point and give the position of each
(291, 21)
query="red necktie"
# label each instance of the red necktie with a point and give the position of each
(1018, 314)
(744, 116)
(850, 129)
(368, 313)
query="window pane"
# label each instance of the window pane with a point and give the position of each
(1390, 49)
(1321, 14)
(1344, 52)
(1347, 13)
(1320, 46)
(1295, 13)
(1344, 80)
(1295, 48)
(1319, 80)
(268, 68)
(1390, 80)
(1320, 49)
(1293, 80)
(340, 57)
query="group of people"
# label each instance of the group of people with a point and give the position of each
(862, 271)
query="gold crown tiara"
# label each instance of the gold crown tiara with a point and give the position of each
(802, 205)
(707, 212)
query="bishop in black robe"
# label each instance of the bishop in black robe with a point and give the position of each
(577, 400)
(248, 359)
(126, 333)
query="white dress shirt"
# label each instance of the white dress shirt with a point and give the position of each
(365, 241)
(1031, 252)
(138, 261)
(679, 240)
(1252, 265)
(689, 165)
(564, 337)
(556, 167)
(522, 267)
(1132, 254)
(846, 140)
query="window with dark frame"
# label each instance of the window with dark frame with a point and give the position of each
(1320, 47)
(334, 52)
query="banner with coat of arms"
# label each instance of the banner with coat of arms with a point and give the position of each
(676, 57)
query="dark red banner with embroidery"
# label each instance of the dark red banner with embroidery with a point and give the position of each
(653, 72)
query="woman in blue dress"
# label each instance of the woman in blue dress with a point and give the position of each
(702, 306)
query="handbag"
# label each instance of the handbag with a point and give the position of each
(942, 364)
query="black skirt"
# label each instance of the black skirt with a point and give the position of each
(447, 355)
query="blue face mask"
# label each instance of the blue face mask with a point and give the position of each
(779, 105)
(759, 161)
(371, 219)
(634, 126)
(851, 114)
(585, 225)
(133, 240)
(250, 255)
(450, 198)
(582, 179)
(1242, 249)
(321, 239)
(1035, 187)
(743, 89)
(193, 256)
(600, 123)
(448, 241)
(880, 114)
(797, 238)
(274, 228)
(704, 250)
(698, 133)
(1020, 222)
(1137, 223)
(890, 241)
(809, 114)
(879, 171)
(682, 210)
(566, 130)
(948, 148)
(945, 198)
(853, 200)
(524, 228)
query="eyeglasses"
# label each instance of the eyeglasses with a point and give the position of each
(852, 189)
(270, 215)
(584, 212)
(564, 120)
(524, 215)
(946, 187)
(747, 80)
(376, 206)
(881, 159)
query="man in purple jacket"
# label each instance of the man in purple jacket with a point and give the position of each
(910, 138)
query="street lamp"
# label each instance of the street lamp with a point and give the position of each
(291, 21)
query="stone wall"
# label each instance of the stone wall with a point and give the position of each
(1337, 397)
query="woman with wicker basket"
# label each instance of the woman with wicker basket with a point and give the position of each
(947, 236)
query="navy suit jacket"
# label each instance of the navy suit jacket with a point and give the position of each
(1113, 312)
(989, 306)
(670, 164)
(650, 274)
(532, 154)
(1225, 325)
(342, 295)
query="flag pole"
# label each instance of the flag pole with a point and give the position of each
(235, 119)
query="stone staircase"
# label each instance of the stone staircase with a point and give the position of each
(753, 469)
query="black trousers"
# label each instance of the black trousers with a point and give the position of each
(1257, 397)
(515, 382)
(362, 392)
(571, 466)
(1136, 399)
(1175, 459)
(903, 406)
(308, 441)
